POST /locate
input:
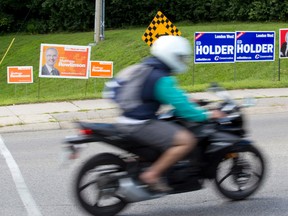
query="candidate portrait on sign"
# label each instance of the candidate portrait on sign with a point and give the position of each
(284, 47)
(51, 56)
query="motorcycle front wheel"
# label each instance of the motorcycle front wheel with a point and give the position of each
(96, 184)
(240, 172)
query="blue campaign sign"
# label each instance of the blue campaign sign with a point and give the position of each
(255, 46)
(214, 47)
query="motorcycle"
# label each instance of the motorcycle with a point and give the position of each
(106, 183)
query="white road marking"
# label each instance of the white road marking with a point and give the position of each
(23, 191)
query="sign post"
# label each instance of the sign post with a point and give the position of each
(7, 50)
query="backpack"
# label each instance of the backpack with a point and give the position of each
(126, 88)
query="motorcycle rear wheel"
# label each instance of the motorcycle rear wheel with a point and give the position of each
(240, 172)
(95, 186)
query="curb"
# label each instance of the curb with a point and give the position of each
(67, 120)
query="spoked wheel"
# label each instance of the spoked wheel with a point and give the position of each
(240, 172)
(97, 183)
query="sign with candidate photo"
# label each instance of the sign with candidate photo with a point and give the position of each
(214, 47)
(64, 61)
(253, 46)
(283, 40)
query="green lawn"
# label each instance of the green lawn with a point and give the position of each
(125, 47)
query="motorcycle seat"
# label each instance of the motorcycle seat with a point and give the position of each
(109, 133)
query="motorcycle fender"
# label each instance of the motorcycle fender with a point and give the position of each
(223, 137)
(218, 146)
(215, 152)
(79, 139)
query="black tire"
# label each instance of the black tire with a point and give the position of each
(245, 172)
(89, 190)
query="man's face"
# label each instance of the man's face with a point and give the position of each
(51, 57)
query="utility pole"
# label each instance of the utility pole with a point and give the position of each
(102, 34)
(97, 25)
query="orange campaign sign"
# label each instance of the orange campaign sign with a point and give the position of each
(64, 61)
(20, 74)
(101, 69)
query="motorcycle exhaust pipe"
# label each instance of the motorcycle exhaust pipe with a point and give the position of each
(132, 192)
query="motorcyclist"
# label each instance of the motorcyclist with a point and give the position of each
(170, 55)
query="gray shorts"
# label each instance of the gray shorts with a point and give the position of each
(156, 133)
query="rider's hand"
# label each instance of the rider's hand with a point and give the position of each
(216, 114)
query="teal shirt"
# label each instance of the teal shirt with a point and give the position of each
(168, 92)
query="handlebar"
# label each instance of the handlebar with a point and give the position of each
(228, 104)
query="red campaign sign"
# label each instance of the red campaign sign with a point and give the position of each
(283, 40)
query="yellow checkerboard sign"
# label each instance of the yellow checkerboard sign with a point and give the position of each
(160, 25)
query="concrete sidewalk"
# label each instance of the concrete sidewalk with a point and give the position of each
(62, 115)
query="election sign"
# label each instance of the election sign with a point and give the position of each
(255, 46)
(214, 47)
(64, 61)
(20, 74)
(101, 69)
(283, 40)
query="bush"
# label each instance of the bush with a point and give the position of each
(5, 23)
(78, 15)
(36, 26)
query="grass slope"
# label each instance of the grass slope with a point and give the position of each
(125, 47)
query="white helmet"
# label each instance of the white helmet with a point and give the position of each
(174, 51)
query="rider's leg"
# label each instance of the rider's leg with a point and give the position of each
(183, 143)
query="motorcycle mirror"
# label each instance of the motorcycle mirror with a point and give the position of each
(215, 87)
(220, 92)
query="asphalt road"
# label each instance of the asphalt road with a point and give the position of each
(33, 182)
